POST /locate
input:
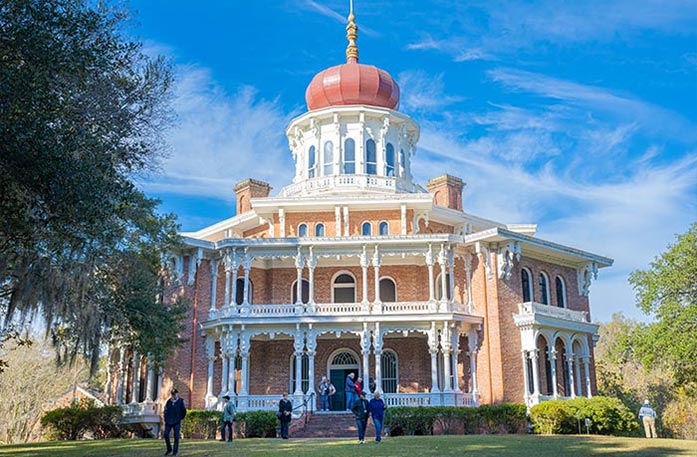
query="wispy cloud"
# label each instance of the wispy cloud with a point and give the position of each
(423, 92)
(330, 13)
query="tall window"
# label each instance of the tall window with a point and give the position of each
(402, 163)
(389, 160)
(384, 228)
(344, 289)
(239, 293)
(439, 287)
(526, 284)
(371, 158)
(302, 230)
(366, 229)
(388, 291)
(544, 289)
(319, 230)
(561, 292)
(305, 291)
(328, 158)
(349, 156)
(390, 372)
(311, 162)
(304, 372)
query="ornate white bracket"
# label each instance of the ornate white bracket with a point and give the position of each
(481, 248)
(585, 275)
(507, 255)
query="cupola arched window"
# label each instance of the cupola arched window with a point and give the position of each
(366, 229)
(311, 162)
(402, 163)
(319, 229)
(544, 289)
(526, 284)
(384, 228)
(328, 158)
(302, 230)
(371, 158)
(344, 289)
(389, 160)
(349, 156)
(561, 291)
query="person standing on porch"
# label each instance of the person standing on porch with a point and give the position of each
(351, 395)
(359, 385)
(175, 411)
(377, 412)
(285, 409)
(361, 410)
(648, 417)
(324, 391)
(229, 411)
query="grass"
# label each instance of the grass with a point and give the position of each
(421, 446)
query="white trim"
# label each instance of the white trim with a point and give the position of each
(333, 286)
(549, 297)
(563, 289)
(357, 366)
(531, 287)
(395, 287)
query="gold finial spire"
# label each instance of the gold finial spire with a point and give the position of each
(351, 36)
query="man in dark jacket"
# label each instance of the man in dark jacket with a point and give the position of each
(361, 409)
(377, 412)
(175, 411)
(285, 411)
(351, 395)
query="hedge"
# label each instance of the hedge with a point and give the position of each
(252, 424)
(83, 419)
(486, 419)
(608, 416)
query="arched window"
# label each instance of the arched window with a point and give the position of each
(239, 292)
(366, 229)
(390, 371)
(344, 289)
(319, 229)
(304, 372)
(302, 230)
(389, 160)
(561, 291)
(349, 156)
(402, 163)
(388, 290)
(439, 287)
(526, 284)
(311, 162)
(544, 289)
(328, 158)
(384, 228)
(305, 291)
(371, 159)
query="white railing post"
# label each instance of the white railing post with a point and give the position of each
(365, 352)
(377, 305)
(136, 378)
(433, 350)
(429, 263)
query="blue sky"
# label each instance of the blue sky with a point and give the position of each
(578, 116)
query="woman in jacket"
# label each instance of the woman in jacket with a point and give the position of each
(285, 410)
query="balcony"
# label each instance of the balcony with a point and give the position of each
(552, 311)
(536, 315)
(143, 416)
(345, 183)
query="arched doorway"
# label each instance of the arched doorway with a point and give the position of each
(340, 363)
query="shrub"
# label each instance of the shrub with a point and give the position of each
(80, 419)
(680, 417)
(502, 418)
(256, 424)
(608, 416)
(201, 424)
(405, 420)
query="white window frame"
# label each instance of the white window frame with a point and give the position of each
(344, 285)
(563, 291)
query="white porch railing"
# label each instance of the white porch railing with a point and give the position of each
(330, 309)
(552, 311)
(141, 409)
(348, 182)
(416, 399)
(264, 402)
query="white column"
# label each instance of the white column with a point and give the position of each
(337, 220)
(244, 356)
(346, 221)
(403, 218)
(570, 367)
(121, 380)
(455, 347)
(299, 263)
(442, 261)
(214, 281)
(377, 350)
(282, 222)
(311, 352)
(468, 281)
(553, 365)
(526, 376)
(473, 344)
(364, 268)
(311, 264)
(377, 304)
(429, 263)
(232, 351)
(365, 352)
(535, 373)
(210, 355)
(246, 265)
(298, 345)
(234, 267)
(433, 350)
(136, 377)
(228, 271)
(579, 387)
(447, 364)
(158, 393)
(451, 276)
(586, 372)
(224, 357)
(109, 363)
(149, 391)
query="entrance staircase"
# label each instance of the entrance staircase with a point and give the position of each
(337, 424)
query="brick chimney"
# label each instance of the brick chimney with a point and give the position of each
(248, 189)
(447, 191)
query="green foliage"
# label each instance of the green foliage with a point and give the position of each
(256, 424)
(486, 419)
(201, 424)
(81, 113)
(81, 419)
(680, 417)
(668, 290)
(608, 416)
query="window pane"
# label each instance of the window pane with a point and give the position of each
(349, 156)
(384, 228)
(402, 162)
(388, 291)
(302, 230)
(344, 295)
(366, 229)
(389, 159)
(344, 279)
(561, 296)
(525, 280)
(319, 230)
(312, 162)
(389, 370)
(371, 166)
(328, 158)
(544, 299)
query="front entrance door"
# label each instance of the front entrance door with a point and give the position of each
(338, 378)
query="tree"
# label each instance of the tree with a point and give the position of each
(81, 111)
(668, 291)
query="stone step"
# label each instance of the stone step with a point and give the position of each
(332, 425)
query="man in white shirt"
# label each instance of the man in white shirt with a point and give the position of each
(648, 417)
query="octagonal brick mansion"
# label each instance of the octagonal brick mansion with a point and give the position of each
(354, 267)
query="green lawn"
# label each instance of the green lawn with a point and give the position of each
(421, 446)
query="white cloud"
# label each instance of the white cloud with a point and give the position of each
(423, 92)
(330, 13)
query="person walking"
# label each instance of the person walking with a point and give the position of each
(361, 410)
(648, 417)
(323, 390)
(229, 411)
(175, 411)
(359, 385)
(350, 391)
(377, 412)
(285, 410)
